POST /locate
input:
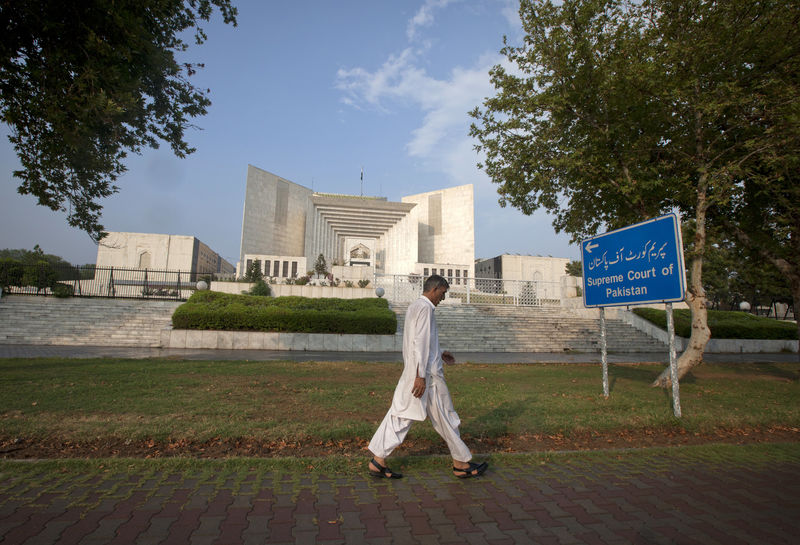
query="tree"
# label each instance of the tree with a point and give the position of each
(82, 84)
(574, 268)
(253, 272)
(31, 257)
(733, 274)
(612, 112)
(764, 215)
(321, 267)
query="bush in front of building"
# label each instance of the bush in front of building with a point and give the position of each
(260, 289)
(228, 312)
(63, 290)
(724, 324)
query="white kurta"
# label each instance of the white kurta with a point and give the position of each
(421, 357)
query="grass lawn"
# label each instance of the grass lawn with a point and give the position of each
(173, 401)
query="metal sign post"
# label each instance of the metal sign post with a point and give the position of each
(604, 350)
(638, 264)
(673, 364)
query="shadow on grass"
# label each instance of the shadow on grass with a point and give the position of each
(630, 372)
(641, 375)
(770, 369)
(495, 423)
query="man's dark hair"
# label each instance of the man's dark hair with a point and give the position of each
(434, 281)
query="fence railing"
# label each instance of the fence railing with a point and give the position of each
(486, 291)
(92, 281)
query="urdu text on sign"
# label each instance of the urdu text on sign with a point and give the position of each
(641, 263)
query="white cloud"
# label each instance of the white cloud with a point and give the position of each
(424, 17)
(442, 139)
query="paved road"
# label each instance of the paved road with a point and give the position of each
(60, 351)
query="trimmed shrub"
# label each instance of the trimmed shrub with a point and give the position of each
(63, 290)
(724, 324)
(229, 312)
(260, 289)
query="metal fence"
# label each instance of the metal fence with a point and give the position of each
(92, 281)
(486, 291)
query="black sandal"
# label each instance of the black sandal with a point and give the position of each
(384, 472)
(468, 471)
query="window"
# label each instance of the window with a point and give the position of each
(458, 276)
(276, 268)
(249, 264)
(426, 272)
(144, 260)
(449, 274)
(294, 269)
(285, 269)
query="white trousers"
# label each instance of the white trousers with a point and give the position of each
(392, 431)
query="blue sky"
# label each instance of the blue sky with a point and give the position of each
(314, 91)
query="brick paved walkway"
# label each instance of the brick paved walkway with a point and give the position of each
(684, 495)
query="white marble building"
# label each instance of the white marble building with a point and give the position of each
(291, 223)
(160, 252)
(516, 274)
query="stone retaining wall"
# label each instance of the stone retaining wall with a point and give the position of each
(257, 340)
(714, 346)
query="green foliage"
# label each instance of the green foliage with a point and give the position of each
(363, 283)
(253, 273)
(226, 312)
(733, 273)
(574, 268)
(617, 111)
(11, 272)
(260, 289)
(82, 84)
(723, 324)
(63, 290)
(31, 257)
(321, 267)
(41, 275)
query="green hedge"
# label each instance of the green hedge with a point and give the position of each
(723, 324)
(228, 312)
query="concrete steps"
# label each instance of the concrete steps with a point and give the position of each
(466, 328)
(84, 321)
(486, 328)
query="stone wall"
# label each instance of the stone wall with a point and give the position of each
(279, 290)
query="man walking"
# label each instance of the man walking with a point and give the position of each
(422, 391)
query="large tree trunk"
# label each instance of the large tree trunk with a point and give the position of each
(695, 298)
(693, 355)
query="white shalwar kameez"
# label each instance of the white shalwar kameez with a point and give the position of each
(420, 354)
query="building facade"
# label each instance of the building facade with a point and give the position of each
(522, 275)
(160, 252)
(291, 223)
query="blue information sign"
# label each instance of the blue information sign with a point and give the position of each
(641, 263)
